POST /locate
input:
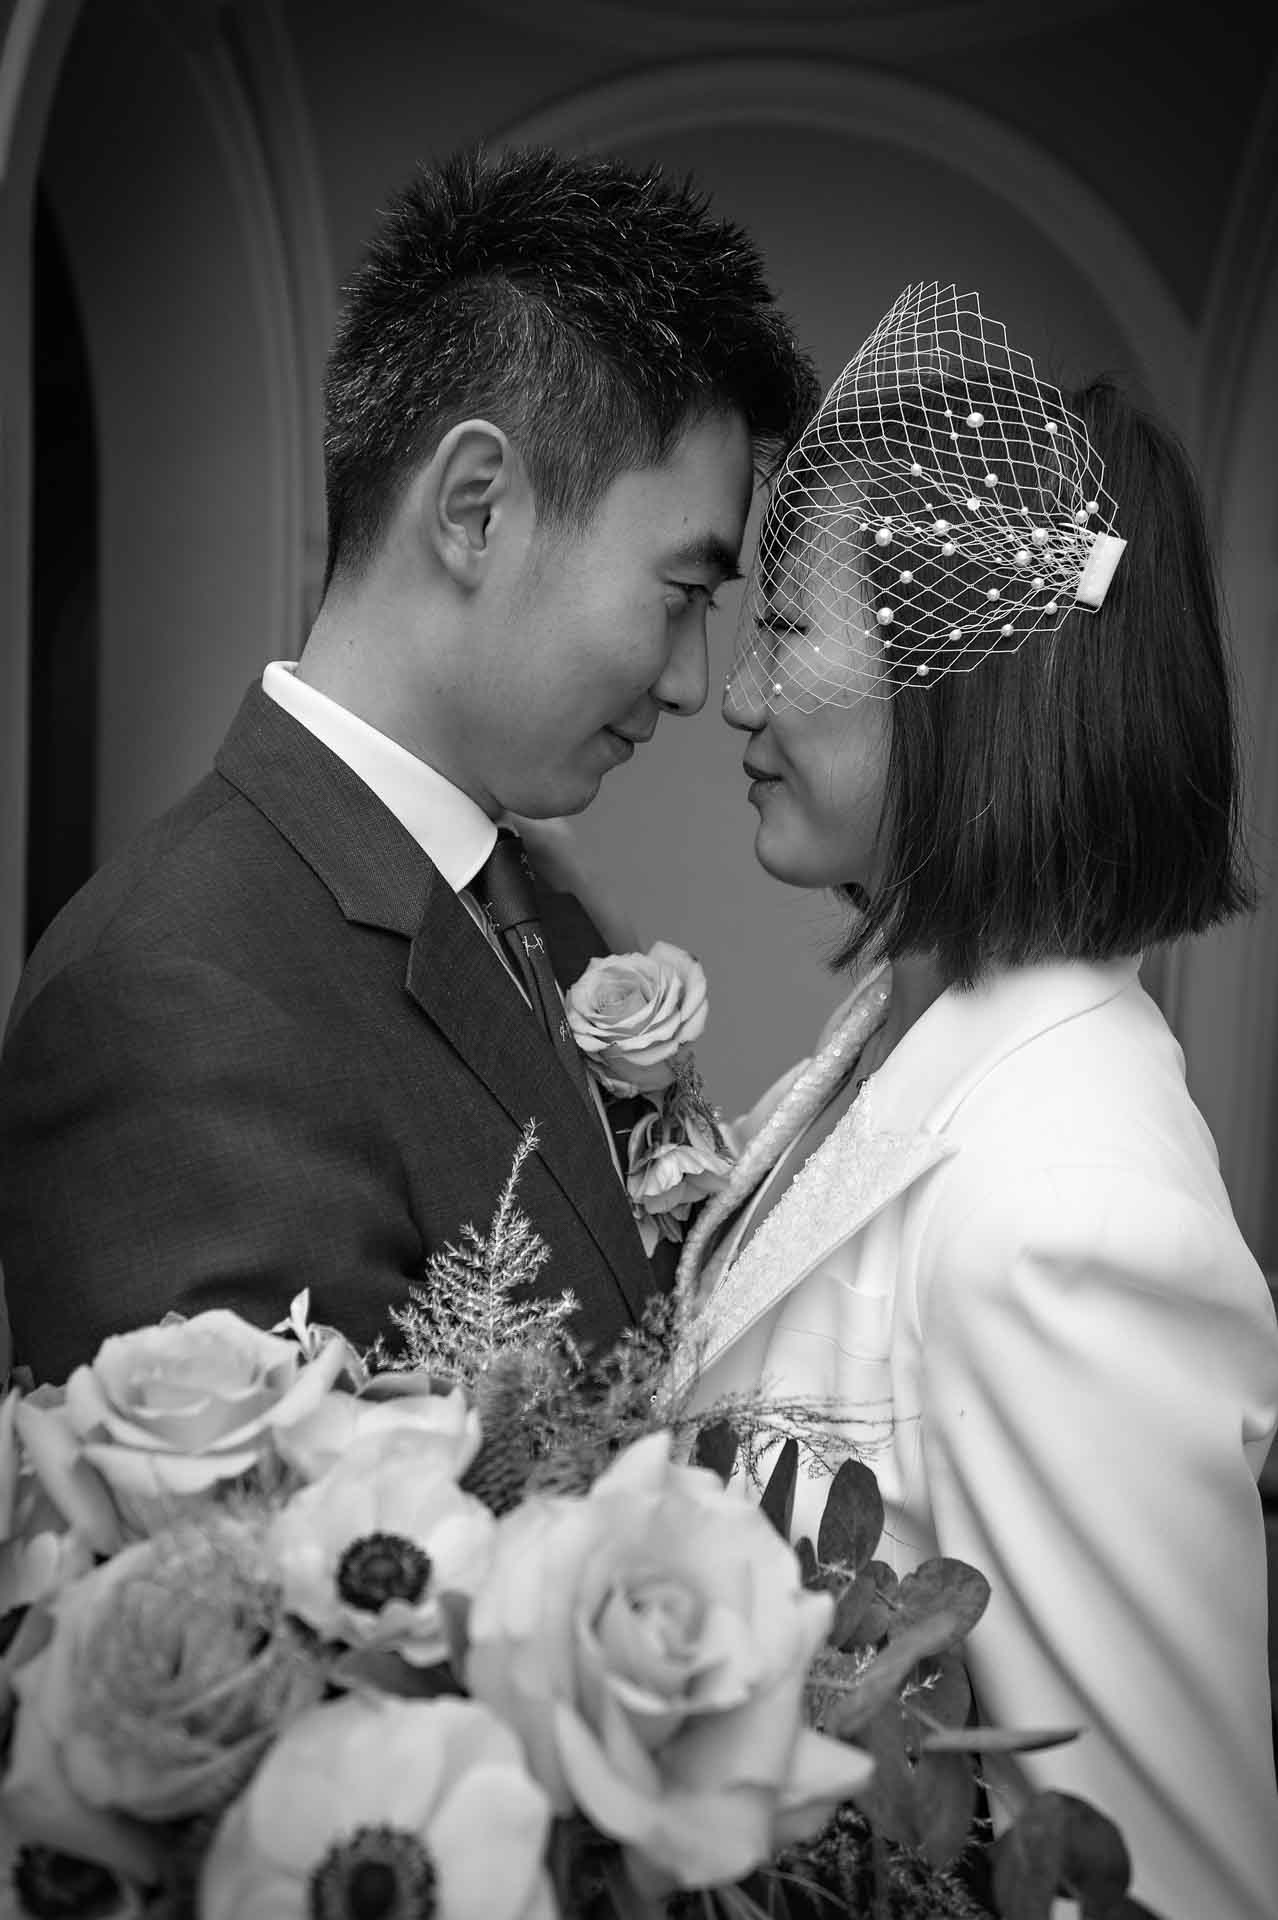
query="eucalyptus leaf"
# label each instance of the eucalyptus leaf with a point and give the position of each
(850, 1609)
(1027, 1859)
(1057, 1834)
(879, 1682)
(852, 1523)
(944, 1805)
(716, 1448)
(924, 1803)
(941, 1586)
(778, 1496)
(878, 1619)
(1098, 1867)
(997, 1739)
(944, 1694)
(887, 1800)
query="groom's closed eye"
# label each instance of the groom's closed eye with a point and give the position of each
(708, 555)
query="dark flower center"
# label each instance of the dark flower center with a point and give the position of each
(380, 1873)
(54, 1886)
(380, 1567)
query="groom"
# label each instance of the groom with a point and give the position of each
(291, 1036)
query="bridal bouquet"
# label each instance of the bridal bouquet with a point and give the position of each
(473, 1628)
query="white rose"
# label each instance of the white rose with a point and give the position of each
(632, 1013)
(169, 1670)
(650, 1644)
(169, 1413)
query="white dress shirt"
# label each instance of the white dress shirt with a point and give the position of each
(453, 830)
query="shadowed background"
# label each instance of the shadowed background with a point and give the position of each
(184, 184)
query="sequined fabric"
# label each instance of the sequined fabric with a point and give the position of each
(810, 1093)
(855, 1172)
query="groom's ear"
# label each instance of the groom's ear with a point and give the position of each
(469, 498)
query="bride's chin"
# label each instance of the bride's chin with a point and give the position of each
(779, 862)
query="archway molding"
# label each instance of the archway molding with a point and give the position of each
(33, 40)
(1224, 989)
(864, 103)
(241, 60)
(851, 29)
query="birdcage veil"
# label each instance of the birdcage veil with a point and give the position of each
(943, 505)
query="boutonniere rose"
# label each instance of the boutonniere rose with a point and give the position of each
(634, 1017)
(632, 1014)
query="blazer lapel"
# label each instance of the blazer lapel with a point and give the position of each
(813, 1085)
(895, 1132)
(380, 877)
(855, 1173)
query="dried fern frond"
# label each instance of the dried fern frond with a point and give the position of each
(552, 1419)
(474, 1301)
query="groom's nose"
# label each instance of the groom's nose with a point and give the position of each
(685, 679)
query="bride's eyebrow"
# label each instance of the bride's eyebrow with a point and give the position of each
(707, 550)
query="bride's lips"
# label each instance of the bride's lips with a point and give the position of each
(761, 781)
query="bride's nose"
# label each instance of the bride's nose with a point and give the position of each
(742, 705)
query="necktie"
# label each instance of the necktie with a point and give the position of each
(503, 888)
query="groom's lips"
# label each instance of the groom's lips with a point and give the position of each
(630, 740)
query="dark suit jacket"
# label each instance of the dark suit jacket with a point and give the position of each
(268, 1048)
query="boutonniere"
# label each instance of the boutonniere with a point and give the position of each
(634, 1017)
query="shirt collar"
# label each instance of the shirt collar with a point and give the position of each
(451, 829)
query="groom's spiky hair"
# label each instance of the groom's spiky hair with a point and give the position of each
(589, 309)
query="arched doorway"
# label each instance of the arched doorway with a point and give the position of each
(172, 152)
(63, 691)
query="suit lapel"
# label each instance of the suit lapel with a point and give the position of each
(380, 877)
(573, 941)
(372, 866)
(460, 984)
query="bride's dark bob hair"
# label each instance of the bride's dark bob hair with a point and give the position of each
(1078, 798)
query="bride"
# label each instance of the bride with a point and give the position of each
(984, 693)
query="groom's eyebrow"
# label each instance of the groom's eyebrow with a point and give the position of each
(709, 551)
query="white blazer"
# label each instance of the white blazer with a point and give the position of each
(1014, 1263)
